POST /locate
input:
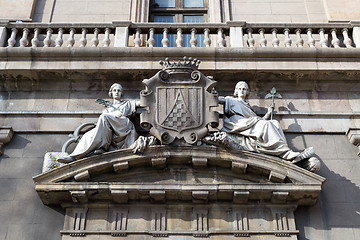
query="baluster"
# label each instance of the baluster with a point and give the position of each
(95, 39)
(59, 40)
(151, 40)
(347, 40)
(311, 40)
(275, 42)
(165, 41)
(287, 40)
(193, 40)
(47, 40)
(137, 39)
(106, 41)
(207, 41)
(12, 39)
(335, 41)
(83, 40)
(323, 40)
(179, 38)
(299, 41)
(71, 40)
(35, 41)
(24, 41)
(262, 40)
(221, 40)
(251, 40)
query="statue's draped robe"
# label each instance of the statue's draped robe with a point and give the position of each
(112, 128)
(254, 133)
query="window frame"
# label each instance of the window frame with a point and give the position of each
(178, 11)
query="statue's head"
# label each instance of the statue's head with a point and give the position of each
(241, 85)
(116, 86)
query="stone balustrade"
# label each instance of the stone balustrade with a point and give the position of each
(56, 35)
(230, 34)
(304, 35)
(184, 35)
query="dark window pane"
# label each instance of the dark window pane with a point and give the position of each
(193, 3)
(159, 37)
(165, 3)
(199, 37)
(168, 18)
(193, 19)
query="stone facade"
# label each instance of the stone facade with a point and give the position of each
(308, 50)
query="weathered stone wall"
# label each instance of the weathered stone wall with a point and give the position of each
(22, 214)
(113, 10)
(338, 10)
(17, 10)
(82, 11)
(278, 10)
(336, 215)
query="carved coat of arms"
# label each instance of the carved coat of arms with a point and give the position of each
(179, 101)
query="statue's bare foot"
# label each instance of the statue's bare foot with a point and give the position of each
(99, 151)
(312, 164)
(65, 159)
(308, 152)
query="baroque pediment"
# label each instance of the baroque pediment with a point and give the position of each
(185, 173)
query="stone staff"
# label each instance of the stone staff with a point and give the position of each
(273, 94)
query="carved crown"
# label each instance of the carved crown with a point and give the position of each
(187, 63)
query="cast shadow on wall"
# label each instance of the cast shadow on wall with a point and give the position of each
(338, 207)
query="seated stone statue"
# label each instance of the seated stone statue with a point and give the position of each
(113, 128)
(250, 132)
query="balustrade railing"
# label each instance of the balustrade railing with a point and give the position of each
(306, 35)
(58, 35)
(231, 34)
(179, 35)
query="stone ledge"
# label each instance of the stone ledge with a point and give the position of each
(212, 58)
(66, 122)
(6, 134)
(177, 233)
(353, 135)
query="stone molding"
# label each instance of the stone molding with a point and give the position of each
(313, 122)
(6, 134)
(353, 135)
(226, 59)
(199, 221)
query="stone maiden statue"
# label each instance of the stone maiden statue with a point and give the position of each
(113, 128)
(244, 130)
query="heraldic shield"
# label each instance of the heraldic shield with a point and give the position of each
(180, 102)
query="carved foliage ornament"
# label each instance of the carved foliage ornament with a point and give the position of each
(179, 101)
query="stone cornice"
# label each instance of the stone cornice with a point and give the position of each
(148, 55)
(289, 53)
(283, 181)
